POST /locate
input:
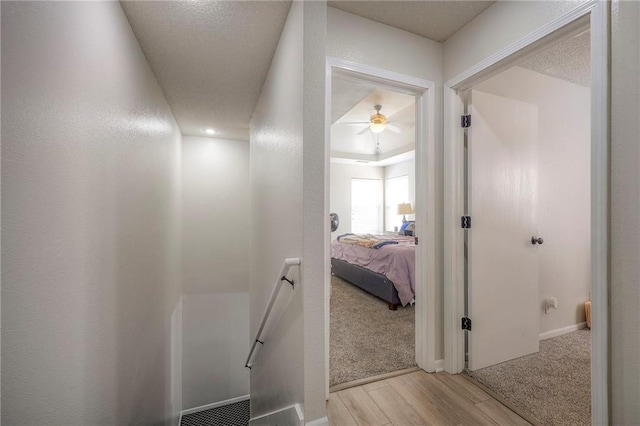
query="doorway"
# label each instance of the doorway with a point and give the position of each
(591, 16)
(372, 173)
(528, 250)
(419, 111)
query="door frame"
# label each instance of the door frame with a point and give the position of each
(596, 15)
(425, 285)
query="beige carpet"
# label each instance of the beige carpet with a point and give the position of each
(367, 338)
(554, 385)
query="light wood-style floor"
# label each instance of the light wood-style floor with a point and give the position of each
(419, 398)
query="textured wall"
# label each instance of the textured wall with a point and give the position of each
(276, 217)
(215, 211)
(90, 221)
(501, 24)
(367, 42)
(288, 201)
(625, 204)
(564, 188)
(215, 336)
(215, 277)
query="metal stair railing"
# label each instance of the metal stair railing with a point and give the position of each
(288, 263)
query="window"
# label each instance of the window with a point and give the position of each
(396, 192)
(366, 206)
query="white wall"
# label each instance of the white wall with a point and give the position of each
(498, 26)
(288, 200)
(406, 168)
(367, 42)
(276, 218)
(564, 187)
(340, 177)
(175, 373)
(215, 277)
(90, 221)
(215, 334)
(625, 204)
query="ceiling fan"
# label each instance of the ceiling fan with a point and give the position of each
(377, 123)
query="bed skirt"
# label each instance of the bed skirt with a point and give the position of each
(371, 282)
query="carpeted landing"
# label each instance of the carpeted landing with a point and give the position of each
(367, 339)
(553, 386)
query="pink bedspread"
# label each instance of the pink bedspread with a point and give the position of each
(395, 261)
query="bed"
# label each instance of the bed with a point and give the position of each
(381, 264)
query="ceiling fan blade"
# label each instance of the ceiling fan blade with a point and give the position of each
(354, 122)
(394, 128)
(363, 131)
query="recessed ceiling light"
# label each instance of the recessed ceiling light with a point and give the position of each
(209, 131)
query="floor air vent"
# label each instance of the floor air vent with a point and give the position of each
(236, 414)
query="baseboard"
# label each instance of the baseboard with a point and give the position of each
(320, 422)
(213, 405)
(291, 415)
(560, 331)
(439, 364)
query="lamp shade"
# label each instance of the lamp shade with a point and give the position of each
(405, 208)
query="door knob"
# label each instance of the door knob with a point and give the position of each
(537, 240)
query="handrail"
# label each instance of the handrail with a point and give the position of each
(288, 263)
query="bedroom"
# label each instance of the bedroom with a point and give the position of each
(372, 196)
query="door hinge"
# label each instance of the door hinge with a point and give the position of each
(465, 222)
(466, 323)
(465, 121)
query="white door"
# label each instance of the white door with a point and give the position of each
(502, 261)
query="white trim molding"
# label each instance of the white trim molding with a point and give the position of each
(600, 204)
(291, 415)
(213, 405)
(594, 14)
(439, 365)
(320, 422)
(560, 331)
(424, 91)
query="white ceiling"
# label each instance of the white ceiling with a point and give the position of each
(568, 60)
(436, 20)
(352, 101)
(210, 57)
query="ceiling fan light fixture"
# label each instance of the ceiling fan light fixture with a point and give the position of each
(377, 127)
(378, 121)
